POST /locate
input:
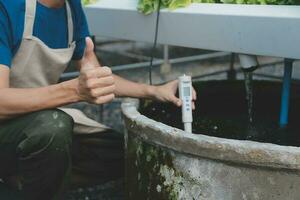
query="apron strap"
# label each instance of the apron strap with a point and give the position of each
(70, 23)
(30, 17)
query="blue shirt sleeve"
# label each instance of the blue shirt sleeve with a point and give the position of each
(5, 38)
(81, 31)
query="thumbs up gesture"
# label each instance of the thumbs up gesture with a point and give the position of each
(96, 83)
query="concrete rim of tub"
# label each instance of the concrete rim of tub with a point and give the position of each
(227, 150)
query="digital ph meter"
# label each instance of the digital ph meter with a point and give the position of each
(185, 94)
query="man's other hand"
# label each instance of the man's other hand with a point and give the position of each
(167, 93)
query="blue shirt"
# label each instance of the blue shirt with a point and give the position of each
(50, 26)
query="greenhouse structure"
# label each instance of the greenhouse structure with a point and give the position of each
(150, 100)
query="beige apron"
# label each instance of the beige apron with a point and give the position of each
(37, 65)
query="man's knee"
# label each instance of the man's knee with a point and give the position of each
(49, 132)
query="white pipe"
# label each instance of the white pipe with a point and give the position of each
(166, 66)
(166, 54)
(248, 62)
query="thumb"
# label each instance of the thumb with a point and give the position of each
(87, 60)
(89, 48)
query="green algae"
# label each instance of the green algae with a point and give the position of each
(150, 172)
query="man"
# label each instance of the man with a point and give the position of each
(37, 41)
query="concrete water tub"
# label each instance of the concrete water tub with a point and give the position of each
(163, 162)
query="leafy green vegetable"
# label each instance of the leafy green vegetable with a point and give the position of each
(150, 6)
(179, 3)
(206, 1)
(270, 2)
(86, 2)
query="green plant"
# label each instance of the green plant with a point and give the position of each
(150, 6)
(86, 2)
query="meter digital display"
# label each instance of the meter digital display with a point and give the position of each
(186, 91)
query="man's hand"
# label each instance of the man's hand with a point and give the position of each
(95, 83)
(167, 92)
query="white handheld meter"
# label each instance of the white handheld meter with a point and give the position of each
(185, 94)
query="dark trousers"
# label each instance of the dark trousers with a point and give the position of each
(41, 151)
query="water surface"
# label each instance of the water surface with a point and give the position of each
(222, 111)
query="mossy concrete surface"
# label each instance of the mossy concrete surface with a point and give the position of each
(150, 173)
(153, 172)
(167, 163)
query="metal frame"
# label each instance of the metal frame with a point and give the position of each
(156, 62)
(248, 29)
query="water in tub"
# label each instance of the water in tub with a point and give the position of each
(223, 111)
